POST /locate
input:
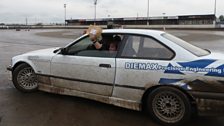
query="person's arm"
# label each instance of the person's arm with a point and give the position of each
(95, 41)
(97, 45)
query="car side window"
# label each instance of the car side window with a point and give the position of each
(84, 48)
(146, 48)
(79, 46)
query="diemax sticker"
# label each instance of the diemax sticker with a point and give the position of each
(156, 66)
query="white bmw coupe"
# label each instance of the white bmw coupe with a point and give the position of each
(151, 70)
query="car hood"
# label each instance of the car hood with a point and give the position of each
(39, 60)
(49, 51)
(43, 55)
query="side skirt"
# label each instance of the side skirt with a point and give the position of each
(104, 99)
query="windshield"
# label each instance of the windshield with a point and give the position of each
(191, 48)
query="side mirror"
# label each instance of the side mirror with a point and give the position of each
(63, 51)
(55, 51)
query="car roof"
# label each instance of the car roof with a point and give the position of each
(134, 31)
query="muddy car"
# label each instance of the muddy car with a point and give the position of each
(151, 71)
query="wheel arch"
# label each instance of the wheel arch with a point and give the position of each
(19, 63)
(150, 89)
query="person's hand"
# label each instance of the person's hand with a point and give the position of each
(98, 45)
(93, 38)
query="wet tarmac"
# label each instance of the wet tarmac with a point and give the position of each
(44, 109)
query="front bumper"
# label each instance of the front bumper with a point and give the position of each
(9, 68)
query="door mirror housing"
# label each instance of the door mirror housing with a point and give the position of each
(63, 51)
(55, 51)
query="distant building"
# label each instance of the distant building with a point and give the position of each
(163, 20)
(196, 19)
(3, 26)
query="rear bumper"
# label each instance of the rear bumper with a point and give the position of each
(207, 95)
(209, 104)
(9, 68)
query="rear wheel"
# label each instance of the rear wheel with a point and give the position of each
(24, 78)
(169, 106)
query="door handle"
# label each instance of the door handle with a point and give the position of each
(105, 65)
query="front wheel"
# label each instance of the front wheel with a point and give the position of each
(169, 106)
(24, 78)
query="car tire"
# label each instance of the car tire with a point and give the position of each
(169, 106)
(24, 78)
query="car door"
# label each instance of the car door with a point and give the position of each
(83, 69)
(140, 65)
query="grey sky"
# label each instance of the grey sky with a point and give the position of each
(52, 11)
